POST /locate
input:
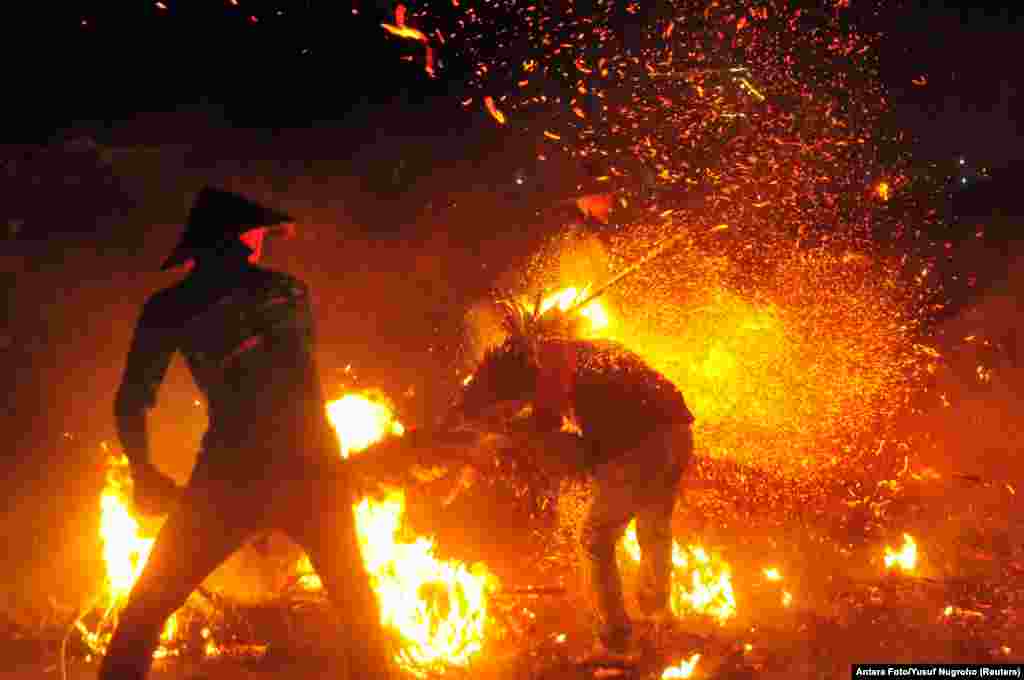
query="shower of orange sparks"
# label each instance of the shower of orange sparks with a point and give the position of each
(564, 299)
(751, 362)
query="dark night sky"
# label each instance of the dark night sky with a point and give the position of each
(284, 64)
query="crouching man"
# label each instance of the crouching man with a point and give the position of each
(633, 437)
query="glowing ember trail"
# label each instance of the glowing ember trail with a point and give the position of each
(905, 559)
(699, 583)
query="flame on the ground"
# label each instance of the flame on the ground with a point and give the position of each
(125, 553)
(684, 669)
(905, 559)
(438, 607)
(700, 583)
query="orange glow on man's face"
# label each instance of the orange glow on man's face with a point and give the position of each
(254, 239)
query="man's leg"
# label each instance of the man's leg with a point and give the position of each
(671, 451)
(607, 515)
(192, 543)
(321, 519)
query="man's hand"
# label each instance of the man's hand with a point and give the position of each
(155, 493)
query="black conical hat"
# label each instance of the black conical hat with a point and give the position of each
(217, 217)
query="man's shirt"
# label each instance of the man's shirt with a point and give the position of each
(247, 336)
(615, 396)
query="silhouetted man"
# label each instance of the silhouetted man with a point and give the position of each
(269, 459)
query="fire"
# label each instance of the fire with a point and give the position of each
(772, 574)
(360, 421)
(124, 555)
(883, 190)
(904, 560)
(684, 669)
(745, 347)
(124, 551)
(492, 109)
(438, 607)
(596, 314)
(699, 583)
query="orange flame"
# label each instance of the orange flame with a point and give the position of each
(700, 583)
(905, 559)
(565, 298)
(438, 607)
(684, 669)
(125, 553)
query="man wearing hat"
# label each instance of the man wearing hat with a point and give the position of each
(269, 460)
